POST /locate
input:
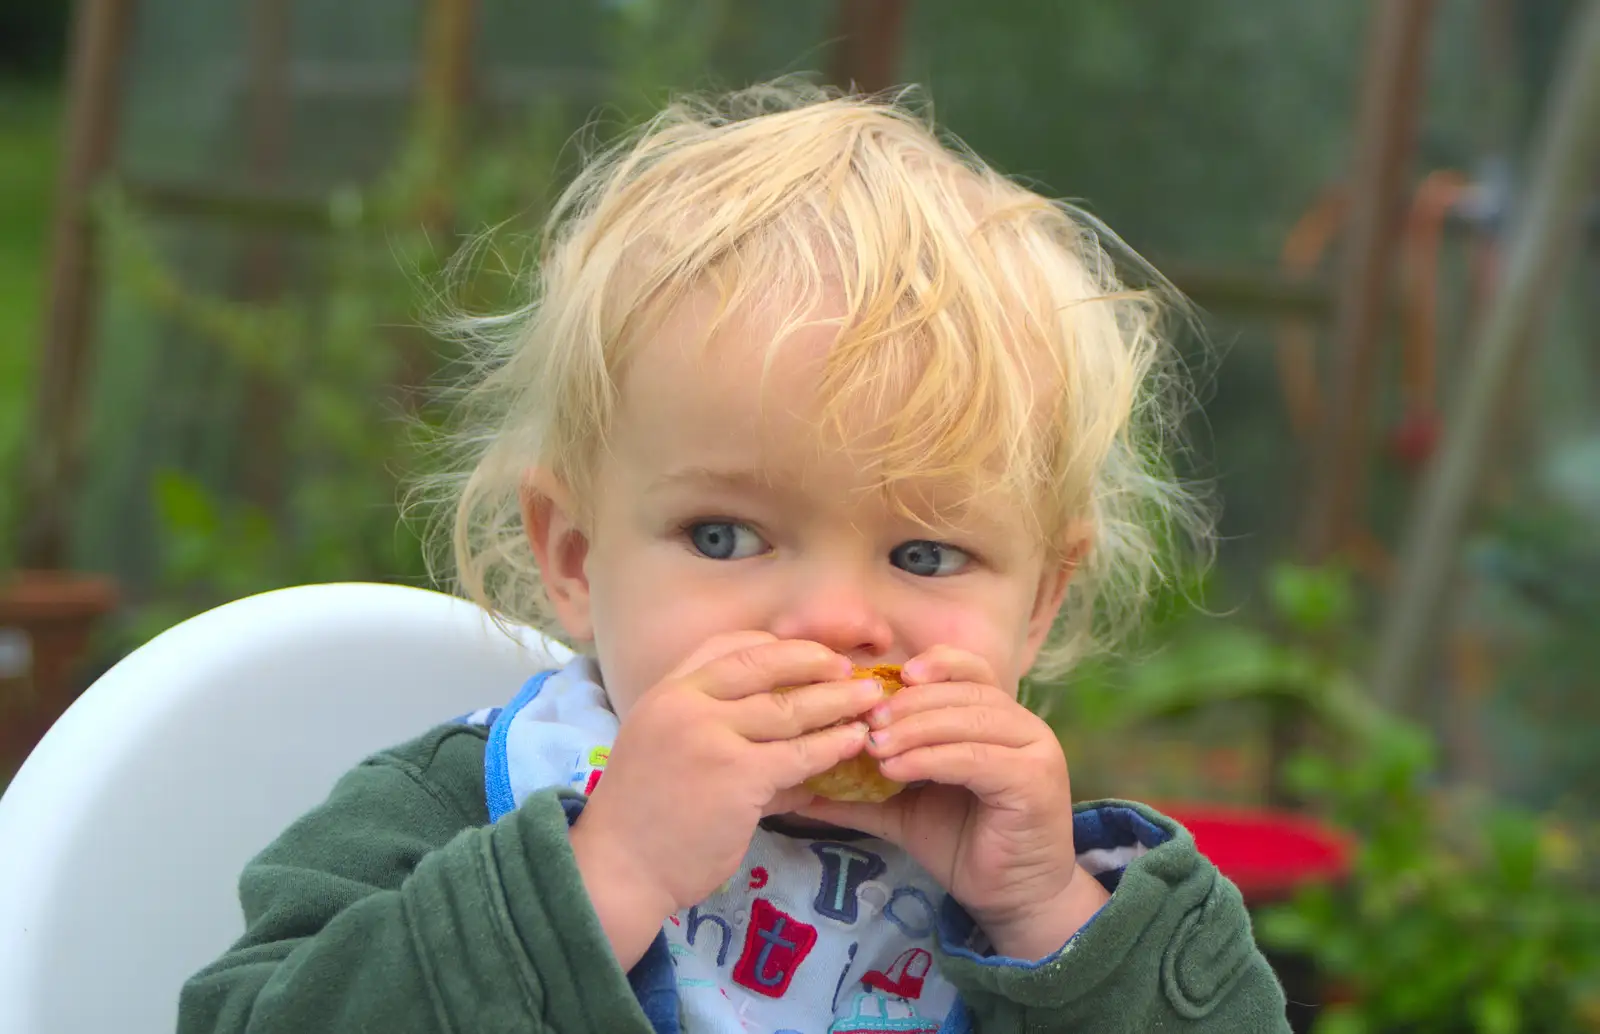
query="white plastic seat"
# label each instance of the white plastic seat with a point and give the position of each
(123, 835)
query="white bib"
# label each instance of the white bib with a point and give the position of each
(811, 936)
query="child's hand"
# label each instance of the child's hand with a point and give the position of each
(994, 825)
(699, 760)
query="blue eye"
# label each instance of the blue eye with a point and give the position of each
(928, 559)
(725, 540)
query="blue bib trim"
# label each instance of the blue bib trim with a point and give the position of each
(496, 760)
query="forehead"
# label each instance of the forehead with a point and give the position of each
(727, 409)
(691, 394)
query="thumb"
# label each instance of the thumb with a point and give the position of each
(879, 820)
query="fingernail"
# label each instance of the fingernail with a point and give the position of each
(912, 671)
(878, 716)
(877, 739)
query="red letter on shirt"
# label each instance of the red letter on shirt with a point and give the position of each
(774, 946)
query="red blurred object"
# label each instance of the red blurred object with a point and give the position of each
(46, 621)
(1413, 440)
(1269, 854)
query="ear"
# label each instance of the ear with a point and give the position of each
(1053, 581)
(561, 549)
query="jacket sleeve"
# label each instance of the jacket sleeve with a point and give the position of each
(393, 907)
(1172, 950)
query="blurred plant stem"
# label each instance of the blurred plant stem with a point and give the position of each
(1566, 156)
(353, 372)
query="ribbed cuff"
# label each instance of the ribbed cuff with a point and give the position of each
(1153, 882)
(543, 937)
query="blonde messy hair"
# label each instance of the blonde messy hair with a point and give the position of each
(992, 317)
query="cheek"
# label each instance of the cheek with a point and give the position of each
(650, 612)
(959, 627)
(992, 625)
(975, 630)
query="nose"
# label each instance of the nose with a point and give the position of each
(838, 610)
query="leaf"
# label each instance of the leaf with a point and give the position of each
(1286, 929)
(1312, 599)
(1341, 1019)
(1495, 1013)
(183, 504)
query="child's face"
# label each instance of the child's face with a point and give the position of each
(717, 509)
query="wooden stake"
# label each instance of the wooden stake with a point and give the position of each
(866, 53)
(1386, 128)
(444, 89)
(262, 468)
(443, 92)
(1566, 156)
(94, 79)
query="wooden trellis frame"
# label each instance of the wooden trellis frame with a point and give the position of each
(1566, 159)
(867, 53)
(1385, 141)
(99, 46)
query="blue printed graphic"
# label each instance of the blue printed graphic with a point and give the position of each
(694, 921)
(844, 870)
(905, 925)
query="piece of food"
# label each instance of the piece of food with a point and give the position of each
(858, 778)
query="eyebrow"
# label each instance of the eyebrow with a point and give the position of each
(711, 477)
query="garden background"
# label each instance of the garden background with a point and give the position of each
(219, 395)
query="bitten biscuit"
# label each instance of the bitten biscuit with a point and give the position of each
(858, 778)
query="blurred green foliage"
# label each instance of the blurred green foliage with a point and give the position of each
(348, 354)
(1293, 655)
(1459, 914)
(1537, 566)
(29, 132)
(356, 371)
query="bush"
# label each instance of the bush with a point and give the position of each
(1459, 915)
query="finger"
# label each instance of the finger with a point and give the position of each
(792, 801)
(917, 699)
(947, 664)
(987, 770)
(1001, 727)
(767, 666)
(878, 820)
(789, 713)
(792, 762)
(720, 646)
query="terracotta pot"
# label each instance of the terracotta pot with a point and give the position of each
(46, 620)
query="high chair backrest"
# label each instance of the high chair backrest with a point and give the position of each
(122, 836)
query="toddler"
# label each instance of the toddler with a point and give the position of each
(801, 388)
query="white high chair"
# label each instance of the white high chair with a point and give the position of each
(122, 836)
